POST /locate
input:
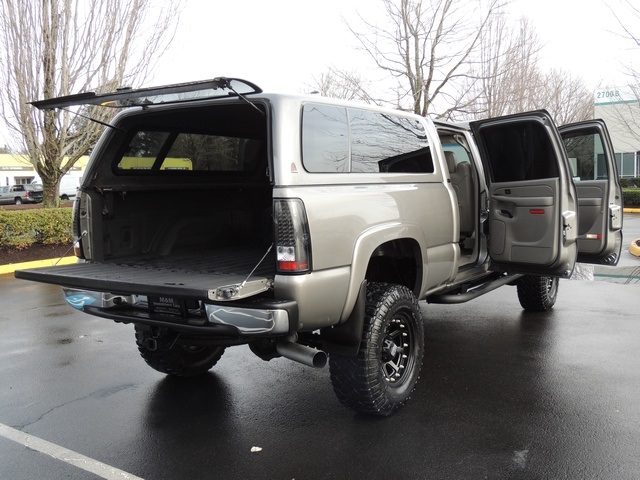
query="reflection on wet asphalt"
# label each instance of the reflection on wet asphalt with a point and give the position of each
(503, 394)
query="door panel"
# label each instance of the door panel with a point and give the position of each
(595, 175)
(523, 223)
(591, 216)
(532, 205)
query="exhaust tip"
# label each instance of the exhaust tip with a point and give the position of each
(302, 354)
(319, 359)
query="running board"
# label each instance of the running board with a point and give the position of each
(475, 292)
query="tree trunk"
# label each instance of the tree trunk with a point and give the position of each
(51, 186)
(53, 48)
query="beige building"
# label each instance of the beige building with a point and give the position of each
(17, 170)
(620, 109)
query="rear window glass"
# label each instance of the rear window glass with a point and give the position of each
(222, 138)
(161, 151)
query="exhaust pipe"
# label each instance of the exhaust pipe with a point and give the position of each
(302, 354)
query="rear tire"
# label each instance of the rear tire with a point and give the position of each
(162, 353)
(18, 201)
(537, 294)
(384, 374)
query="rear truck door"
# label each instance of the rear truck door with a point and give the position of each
(532, 218)
(595, 175)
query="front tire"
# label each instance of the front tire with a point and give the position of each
(537, 294)
(162, 353)
(384, 374)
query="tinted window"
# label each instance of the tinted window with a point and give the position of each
(152, 150)
(519, 151)
(335, 140)
(386, 143)
(586, 155)
(194, 140)
(325, 139)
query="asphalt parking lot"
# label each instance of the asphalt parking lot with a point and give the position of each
(503, 394)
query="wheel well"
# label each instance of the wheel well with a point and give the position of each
(397, 261)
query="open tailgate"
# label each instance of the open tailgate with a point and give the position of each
(151, 280)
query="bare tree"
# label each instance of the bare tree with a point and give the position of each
(628, 20)
(507, 69)
(512, 80)
(58, 47)
(347, 85)
(565, 96)
(427, 47)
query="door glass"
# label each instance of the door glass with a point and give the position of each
(521, 151)
(586, 155)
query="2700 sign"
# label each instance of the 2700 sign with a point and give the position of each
(608, 94)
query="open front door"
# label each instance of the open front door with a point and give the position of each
(595, 175)
(532, 200)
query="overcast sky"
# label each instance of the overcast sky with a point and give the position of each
(282, 44)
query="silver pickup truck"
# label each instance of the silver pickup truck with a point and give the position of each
(19, 194)
(212, 215)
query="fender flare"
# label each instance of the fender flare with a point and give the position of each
(365, 246)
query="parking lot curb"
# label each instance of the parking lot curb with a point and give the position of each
(12, 267)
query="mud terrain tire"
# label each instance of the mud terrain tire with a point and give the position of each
(382, 377)
(537, 294)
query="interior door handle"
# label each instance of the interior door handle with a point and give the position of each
(506, 213)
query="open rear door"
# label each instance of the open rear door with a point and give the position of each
(532, 200)
(595, 175)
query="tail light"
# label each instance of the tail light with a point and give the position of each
(292, 239)
(26, 194)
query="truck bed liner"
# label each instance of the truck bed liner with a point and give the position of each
(188, 275)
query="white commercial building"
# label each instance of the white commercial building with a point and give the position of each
(17, 170)
(620, 109)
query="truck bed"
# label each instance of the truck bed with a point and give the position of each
(188, 274)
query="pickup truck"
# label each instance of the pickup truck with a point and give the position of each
(212, 215)
(19, 194)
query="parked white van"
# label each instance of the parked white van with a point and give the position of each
(69, 187)
(69, 184)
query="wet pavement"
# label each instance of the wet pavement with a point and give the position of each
(628, 268)
(503, 394)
